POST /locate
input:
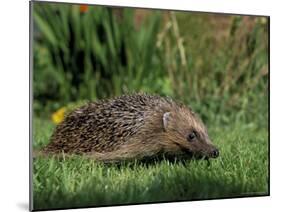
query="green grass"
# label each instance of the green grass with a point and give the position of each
(241, 170)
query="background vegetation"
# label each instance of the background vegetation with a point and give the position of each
(217, 64)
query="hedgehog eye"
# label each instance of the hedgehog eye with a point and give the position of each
(192, 136)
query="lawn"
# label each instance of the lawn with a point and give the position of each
(241, 170)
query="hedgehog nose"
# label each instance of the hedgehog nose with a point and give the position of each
(215, 153)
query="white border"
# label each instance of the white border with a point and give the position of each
(14, 104)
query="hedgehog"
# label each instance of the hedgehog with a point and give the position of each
(133, 127)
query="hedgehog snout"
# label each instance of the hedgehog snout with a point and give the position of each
(215, 153)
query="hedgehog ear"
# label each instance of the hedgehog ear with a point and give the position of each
(166, 120)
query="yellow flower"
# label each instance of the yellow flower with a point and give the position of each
(58, 116)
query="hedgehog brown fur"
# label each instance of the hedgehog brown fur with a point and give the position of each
(130, 127)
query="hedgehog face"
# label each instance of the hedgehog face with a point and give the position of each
(188, 135)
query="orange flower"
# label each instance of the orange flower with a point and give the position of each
(83, 8)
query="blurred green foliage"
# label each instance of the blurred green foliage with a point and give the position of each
(218, 64)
